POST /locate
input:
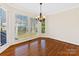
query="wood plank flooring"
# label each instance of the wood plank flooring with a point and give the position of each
(42, 47)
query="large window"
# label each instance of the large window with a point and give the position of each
(21, 26)
(25, 26)
(2, 27)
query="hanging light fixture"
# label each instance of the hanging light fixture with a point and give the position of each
(40, 17)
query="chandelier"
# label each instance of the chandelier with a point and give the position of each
(40, 17)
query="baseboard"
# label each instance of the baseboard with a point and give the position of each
(4, 47)
(63, 41)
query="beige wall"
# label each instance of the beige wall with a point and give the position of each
(64, 26)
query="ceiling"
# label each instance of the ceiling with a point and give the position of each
(47, 8)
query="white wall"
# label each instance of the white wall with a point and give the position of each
(64, 26)
(11, 25)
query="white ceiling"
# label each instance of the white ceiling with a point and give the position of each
(47, 8)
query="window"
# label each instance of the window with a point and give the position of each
(2, 26)
(21, 26)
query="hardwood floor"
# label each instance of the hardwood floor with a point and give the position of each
(42, 47)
